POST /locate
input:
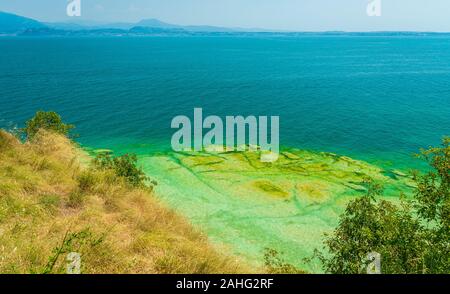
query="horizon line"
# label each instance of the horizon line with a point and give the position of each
(254, 29)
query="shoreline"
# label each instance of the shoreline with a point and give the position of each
(402, 161)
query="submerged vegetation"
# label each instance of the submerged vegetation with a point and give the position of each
(53, 202)
(286, 205)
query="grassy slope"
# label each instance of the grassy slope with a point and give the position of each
(51, 202)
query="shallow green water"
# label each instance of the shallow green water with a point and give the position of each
(246, 205)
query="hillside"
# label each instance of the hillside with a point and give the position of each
(53, 203)
(11, 23)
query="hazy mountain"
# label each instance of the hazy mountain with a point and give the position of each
(65, 26)
(14, 24)
(85, 25)
(119, 25)
(143, 25)
(152, 24)
(155, 23)
(11, 23)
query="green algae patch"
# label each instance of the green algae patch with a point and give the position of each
(316, 191)
(247, 205)
(270, 188)
(102, 151)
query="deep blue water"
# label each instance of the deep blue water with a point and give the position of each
(373, 98)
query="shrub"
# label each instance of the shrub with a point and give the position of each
(275, 264)
(86, 180)
(124, 166)
(50, 121)
(411, 238)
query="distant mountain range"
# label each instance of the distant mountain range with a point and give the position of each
(148, 23)
(15, 25)
(11, 24)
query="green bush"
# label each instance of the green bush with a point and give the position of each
(50, 121)
(412, 238)
(275, 264)
(124, 166)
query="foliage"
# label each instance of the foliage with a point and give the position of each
(50, 121)
(433, 189)
(412, 237)
(124, 166)
(276, 265)
(433, 206)
(72, 242)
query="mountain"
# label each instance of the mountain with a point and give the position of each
(12, 24)
(155, 23)
(150, 25)
(65, 26)
(83, 25)
(19, 25)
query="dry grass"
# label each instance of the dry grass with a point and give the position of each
(47, 193)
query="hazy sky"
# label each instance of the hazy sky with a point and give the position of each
(300, 15)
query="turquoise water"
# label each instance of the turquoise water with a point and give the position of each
(372, 98)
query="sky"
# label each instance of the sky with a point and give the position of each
(291, 15)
